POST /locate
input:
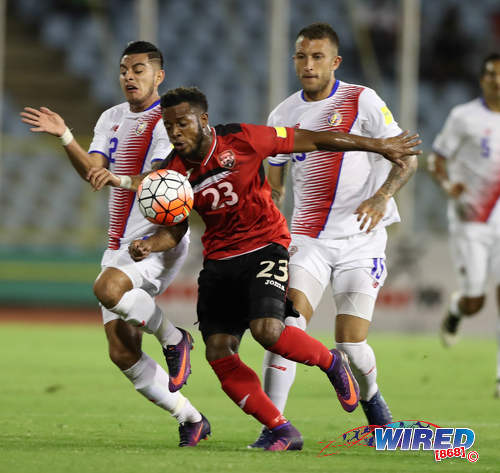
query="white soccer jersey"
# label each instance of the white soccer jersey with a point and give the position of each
(470, 140)
(131, 142)
(329, 186)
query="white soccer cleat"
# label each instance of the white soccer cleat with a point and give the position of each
(449, 330)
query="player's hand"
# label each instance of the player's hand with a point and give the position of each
(371, 211)
(140, 249)
(43, 120)
(99, 177)
(399, 147)
(454, 189)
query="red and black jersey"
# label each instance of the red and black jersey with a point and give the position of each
(231, 192)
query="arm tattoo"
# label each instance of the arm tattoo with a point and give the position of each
(398, 177)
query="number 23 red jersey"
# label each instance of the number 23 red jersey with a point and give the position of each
(231, 192)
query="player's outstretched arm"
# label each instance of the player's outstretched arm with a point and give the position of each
(44, 120)
(164, 239)
(276, 179)
(99, 177)
(371, 210)
(396, 149)
(436, 165)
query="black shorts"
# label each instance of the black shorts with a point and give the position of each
(235, 291)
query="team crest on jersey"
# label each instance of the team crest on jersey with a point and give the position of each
(335, 118)
(115, 127)
(292, 250)
(141, 126)
(227, 159)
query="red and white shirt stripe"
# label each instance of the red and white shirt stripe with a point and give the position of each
(131, 142)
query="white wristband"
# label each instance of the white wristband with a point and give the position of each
(125, 182)
(66, 137)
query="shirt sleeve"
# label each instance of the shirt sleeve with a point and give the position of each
(160, 144)
(448, 140)
(269, 140)
(375, 117)
(100, 142)
(279, 159)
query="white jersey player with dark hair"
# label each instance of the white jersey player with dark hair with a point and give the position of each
(466, 164)
(341, 209)
(142, 259)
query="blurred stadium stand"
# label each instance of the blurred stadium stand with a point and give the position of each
(64, 54)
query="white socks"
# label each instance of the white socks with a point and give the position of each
(278, 373)
(363, 365)
(151, 380)
(454, 307)
(138, 308)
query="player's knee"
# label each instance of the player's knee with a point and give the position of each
(108, 292)
(266, 331)
(219, 346)
(471, 305)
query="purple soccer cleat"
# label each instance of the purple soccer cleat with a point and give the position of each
(191, 433)
(342, 379)
(285, 437)
(264, 441)
(179, 361)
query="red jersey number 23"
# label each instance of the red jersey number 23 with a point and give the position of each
(223, 194)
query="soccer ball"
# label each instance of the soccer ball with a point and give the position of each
(165, 197)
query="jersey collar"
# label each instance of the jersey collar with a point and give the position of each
(334, 89)
(212, 147)
(153, 105)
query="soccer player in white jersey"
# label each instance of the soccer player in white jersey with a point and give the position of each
(341, 209)
(466, 164)
(142, 259)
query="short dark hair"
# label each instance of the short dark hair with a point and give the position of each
(486, 60)
(138, 47)
(192, 95)
(319, 31)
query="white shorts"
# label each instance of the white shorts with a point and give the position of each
(475, 253)
(354, 264)
(153, 274)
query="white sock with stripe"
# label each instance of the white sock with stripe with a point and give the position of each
(363, 366)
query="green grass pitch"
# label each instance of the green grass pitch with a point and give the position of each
(65, 408)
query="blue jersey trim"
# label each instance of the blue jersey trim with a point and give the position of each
(153, 105)
(99, 152)
(278, 165)
(334, 89)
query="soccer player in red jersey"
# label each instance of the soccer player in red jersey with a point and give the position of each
(244, 280)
